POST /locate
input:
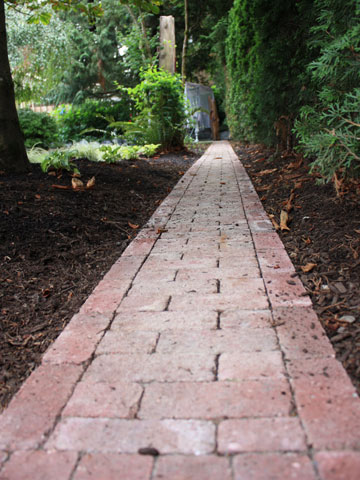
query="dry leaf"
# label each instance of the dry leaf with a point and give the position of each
(284, 218)
(288, 204)
(61, 187)
(274, 222)
(161, 230)
(133, 226)
(37, 196)
(76, 183)
(91, 183)
(265, 172)
(308, 267)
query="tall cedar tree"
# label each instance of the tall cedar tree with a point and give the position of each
(266, 58)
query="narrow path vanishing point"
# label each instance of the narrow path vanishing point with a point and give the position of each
(197, 357)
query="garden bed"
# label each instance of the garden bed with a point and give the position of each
(57, 243)
(323, 242)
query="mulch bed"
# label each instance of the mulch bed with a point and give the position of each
(323, 241)
(56, 244)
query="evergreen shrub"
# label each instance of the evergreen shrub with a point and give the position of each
(92, 114)
(39, 128)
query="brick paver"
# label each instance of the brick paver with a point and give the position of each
(197, 357)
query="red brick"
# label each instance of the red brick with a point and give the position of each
(97, 466)
(161, 321)
(247, 271)
(103, 301)
(117, 341)
(149, 276)
(77, 343)
(283, 290)
(260, 435)
(128, 436)
(140, 303)
(33, 410)
(240, 299)
(242, 366)
(39, 465)
(141, 246)
(267, 240)
(114, 399)
(192, 468)
(274, 261)
(331, 421)
(243, 286)
(173, 288)
(338, 465)
(245, 319)
(216, 399)
(148, 368)
(321, 374)
(215, 342)
(258, 226)
(300, 332)
(234, 261)
(273, 466)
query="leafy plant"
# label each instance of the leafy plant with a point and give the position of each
(90, 119)
(39, 128)
(116, 153)
(329, 126)
(60, 160)
(159, 101)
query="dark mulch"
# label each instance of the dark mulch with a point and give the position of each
(56, 244)
(324, 238)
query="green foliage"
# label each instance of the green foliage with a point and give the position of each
(38, 128)
(116, 153)
(93, 116)
(266, 56)
(60, 160)
(159, 101)
(329, 126)
(37, 54)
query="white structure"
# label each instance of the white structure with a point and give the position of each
(198, 96)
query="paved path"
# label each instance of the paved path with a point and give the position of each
(199, 344)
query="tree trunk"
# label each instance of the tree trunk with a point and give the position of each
(184, 48)
(12, 149)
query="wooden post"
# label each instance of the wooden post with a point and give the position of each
(214, 118)
(167, 43)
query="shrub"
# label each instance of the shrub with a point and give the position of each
(39, 128)
(94, 115)
(60, 160)
(329, 127)
(159, 101)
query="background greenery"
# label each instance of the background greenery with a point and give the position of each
(285, 74)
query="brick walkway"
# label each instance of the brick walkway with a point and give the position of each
(199, 344)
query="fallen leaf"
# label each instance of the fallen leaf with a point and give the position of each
(161, 230)
(266, 172)
(132, 225)
(181, 173)
(288, 205)
(274, 222)
(52, 173)
(61, 187)
(76, 183)
(20, 203)
(308, 267)
(91, 183)
(37, 196)
(284, 218)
